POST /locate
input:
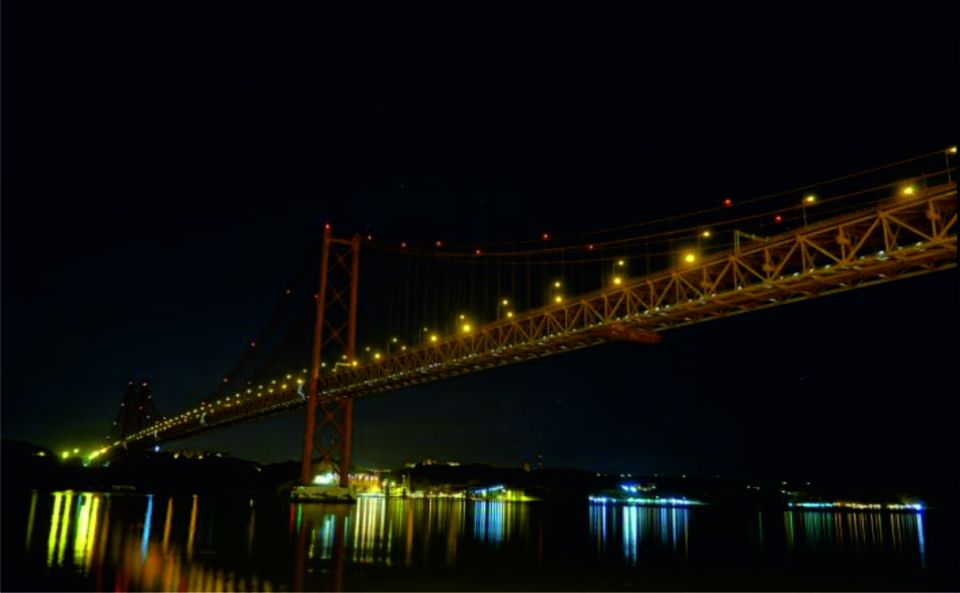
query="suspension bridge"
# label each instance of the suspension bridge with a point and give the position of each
(437, 310)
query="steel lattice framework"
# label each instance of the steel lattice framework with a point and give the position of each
(903, 237)
(329, 421)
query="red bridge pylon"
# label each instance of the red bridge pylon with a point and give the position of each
(329, 426)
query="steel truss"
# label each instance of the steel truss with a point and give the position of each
(904, 237)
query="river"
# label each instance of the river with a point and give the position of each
(98, 541)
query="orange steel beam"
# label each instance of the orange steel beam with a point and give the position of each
(904, 237)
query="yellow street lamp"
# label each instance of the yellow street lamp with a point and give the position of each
(808, 200)
(689, 258)
(502, 303)
(946, 155)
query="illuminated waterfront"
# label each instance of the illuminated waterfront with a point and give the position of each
(82, 540)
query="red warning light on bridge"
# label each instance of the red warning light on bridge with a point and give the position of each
(545, 236)
(727, 202)
(778, 219)
(439, 243)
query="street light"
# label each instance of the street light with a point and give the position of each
(706, 234)
(616, 273)
(807, 201)
(553, 292)
(502, 303)
(946, 156)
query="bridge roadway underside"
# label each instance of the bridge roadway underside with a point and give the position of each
(898, 239)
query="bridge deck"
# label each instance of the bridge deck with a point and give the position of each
(901, 238)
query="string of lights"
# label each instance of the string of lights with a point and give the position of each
(442, 290)
(478, 254)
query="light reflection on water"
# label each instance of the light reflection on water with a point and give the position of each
(639, 528)
(168, 543)
(128, 555)
(384, 531)
(857, 532)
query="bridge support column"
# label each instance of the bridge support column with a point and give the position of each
(329, 424)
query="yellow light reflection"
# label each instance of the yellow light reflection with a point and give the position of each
(166, 524)
(54, 525)
(62, 542)
(193, 528)
(83, 524)
(86, 531)
(30, 517)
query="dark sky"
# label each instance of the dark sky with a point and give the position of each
(165, 171)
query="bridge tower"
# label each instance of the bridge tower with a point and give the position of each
(137, 411)
(328, 433)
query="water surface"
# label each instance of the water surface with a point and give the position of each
(99, 541)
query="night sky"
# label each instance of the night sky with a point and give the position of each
(166, 171)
